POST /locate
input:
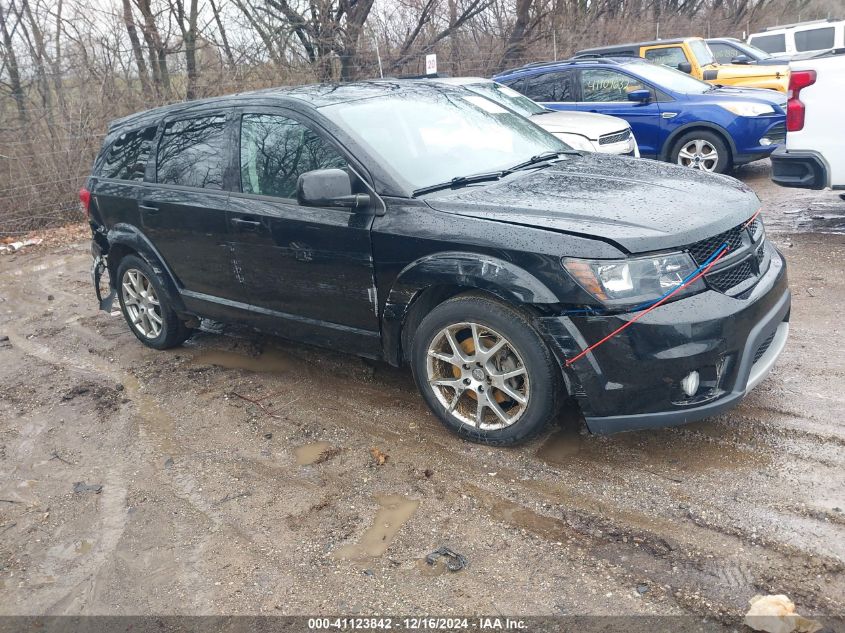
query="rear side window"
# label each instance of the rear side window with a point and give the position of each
(670, 56)
(128, 155)
(275, 150)
(547, 87)
(814, 39)
(770, 43)
(193, 153)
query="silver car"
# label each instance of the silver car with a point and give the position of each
(586, 131)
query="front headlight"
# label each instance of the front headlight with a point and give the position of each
(576, 141)
(634, 281)
(747, 108)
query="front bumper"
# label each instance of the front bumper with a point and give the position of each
(799, 168)
(634, 380)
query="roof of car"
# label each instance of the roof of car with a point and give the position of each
(732, 40)
(314, 95)
(629, 45)
(585, 59)
(458, 81)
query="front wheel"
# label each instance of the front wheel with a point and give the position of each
(702, 150)
(484, 371)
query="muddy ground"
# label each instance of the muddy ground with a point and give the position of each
(246, 475)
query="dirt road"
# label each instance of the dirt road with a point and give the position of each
(325, 494)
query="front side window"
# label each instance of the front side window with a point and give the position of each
(128, 155)
(702, 52)
(193, 153)
(426, 137)
(599, 84)
(814, 39)
(275, 150)
(724, 53)
(670, 56)
(770, 43)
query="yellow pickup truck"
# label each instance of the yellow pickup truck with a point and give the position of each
(692, 55)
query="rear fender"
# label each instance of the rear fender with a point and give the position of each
(126, 239)
(465, 272)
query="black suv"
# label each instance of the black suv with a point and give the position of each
(421, 223)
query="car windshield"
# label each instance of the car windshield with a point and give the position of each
(702, 52)
(428, 137)
(670, 79)
(507, 97)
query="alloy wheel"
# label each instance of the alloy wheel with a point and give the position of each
(141, 303)
(699, 154)
(478, 376)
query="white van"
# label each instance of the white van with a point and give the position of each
(803, 37)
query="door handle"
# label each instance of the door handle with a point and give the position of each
(245, 225)
(149, 207)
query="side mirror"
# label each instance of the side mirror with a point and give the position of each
(328, 188)
(685, 67)
(641, 96)
(741, 59)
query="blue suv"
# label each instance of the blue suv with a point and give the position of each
(674, 117)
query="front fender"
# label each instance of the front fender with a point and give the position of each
(126, 236)
(471, 271)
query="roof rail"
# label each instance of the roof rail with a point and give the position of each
(794, 24)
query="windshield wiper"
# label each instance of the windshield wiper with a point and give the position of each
(545, 157)
(461, 181)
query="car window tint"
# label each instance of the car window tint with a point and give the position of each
(814, 39)
(723, 53)
(127, 157)
(193, 152)
(770, 43)
(547, 87)
(599, 84)
(275, 150)
(670, 56)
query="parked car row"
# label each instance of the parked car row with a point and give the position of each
(673, 116)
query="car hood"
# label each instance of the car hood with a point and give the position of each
(589, 124)
(731, 93)
(637, 205)
(737, 71)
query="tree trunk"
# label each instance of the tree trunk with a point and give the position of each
(12, 66)
(137, 51)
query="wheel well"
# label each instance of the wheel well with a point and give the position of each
(116, 253)
(428, 299)
(725, 138)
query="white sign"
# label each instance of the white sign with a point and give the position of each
(431, 64)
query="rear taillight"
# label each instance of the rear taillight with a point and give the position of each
(798, 79)
(85, 199)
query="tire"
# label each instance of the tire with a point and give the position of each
(457, 385)
(704, 150)
(145, 306)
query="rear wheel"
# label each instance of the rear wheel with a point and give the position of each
(145, 307)
(484, 371)
(703, 150)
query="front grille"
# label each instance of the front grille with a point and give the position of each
(615, 137)
(701, 251)
(725, 280)
(764, 346)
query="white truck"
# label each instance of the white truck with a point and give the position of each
(813, 156)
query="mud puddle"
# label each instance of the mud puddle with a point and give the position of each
(394, 512)
(270, 361)
(311, 453)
